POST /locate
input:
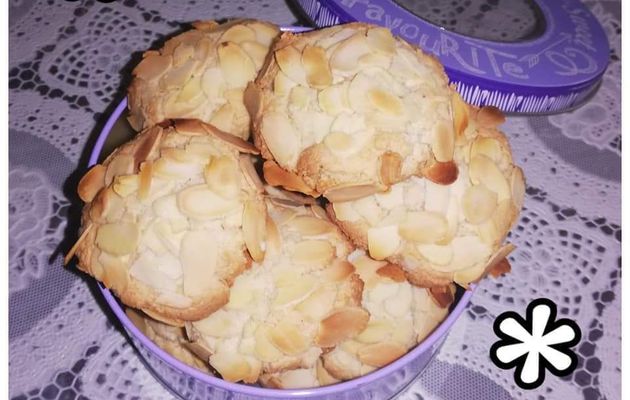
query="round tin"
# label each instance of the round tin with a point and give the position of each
(555, 71)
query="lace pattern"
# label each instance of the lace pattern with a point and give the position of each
(69, 61)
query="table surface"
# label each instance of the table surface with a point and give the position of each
(70, 62)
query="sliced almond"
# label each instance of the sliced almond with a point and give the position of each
(256, 51)
(265, 33)
(442, 173)
(222, 176)
(460, 114)
(238, 34)
(342, 324)
(466, 276)
(118, 239)
(394, 198)
(167, 168)
(341, 143)
(236, 142)
(223, 117)
(122, 164)
(385, 102)
(76, 244)
(346, 55)
(483, 170)
(276, 176)
(175, 78)
(282, 85)
(443, 144)
(318, 304)
(441, 295)
(498, 263)
(490, 116)
(358, 93)
(383, 241)
(280, 137)
(489, 147)
(295, 292)
(288, 338)
(393, 272)
(312, 252)
(500, 268)
(219, 324)
(517, 183)
(107, 205)
(333, 100)
(199, 256)
(375, 332)
(240, 297)
(233, 367)
(115, 272)
(316, 67)
(423, 227)
(351, 192)
(345, 211)
(206, 25)
(152, 67)
(264, 349)
(212, 83)
(338, 271)
(436, 254)
(478, 204)
(391, 168)
(381, 39)
(125, 185)
(182, 53)
(199, 202)
(381, 354)
(310, 226)
(91, 183)
(191, 92)
(146, 174)
(469, 251)
(289, 60)
(236, 66)
(254, 228)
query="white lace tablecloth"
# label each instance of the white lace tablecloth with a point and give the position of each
(69, 61)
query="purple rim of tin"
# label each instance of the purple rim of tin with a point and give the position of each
(432, 339)
(553, 72)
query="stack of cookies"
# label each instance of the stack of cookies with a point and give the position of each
(327, 244)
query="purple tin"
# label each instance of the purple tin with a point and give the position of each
(555, 71)
(190, 383)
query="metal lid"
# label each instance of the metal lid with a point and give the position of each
(554, 71)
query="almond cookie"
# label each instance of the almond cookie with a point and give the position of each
(401, 315)
(284, 310)
(171, 219)
(171, 339)
(349, 110)
(445, 233)
(201, 74)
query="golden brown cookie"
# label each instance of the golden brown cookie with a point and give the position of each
(171, 339)
(171, 219)
(401, 315)
(201, 74)
(445, 233)
(350, 110)
(283, 311)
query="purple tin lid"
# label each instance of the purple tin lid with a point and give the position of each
(552, 72)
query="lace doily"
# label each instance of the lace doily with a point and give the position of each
(69, 61)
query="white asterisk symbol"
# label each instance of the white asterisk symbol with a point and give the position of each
(535, 343)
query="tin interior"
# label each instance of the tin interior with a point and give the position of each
(506, 21)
